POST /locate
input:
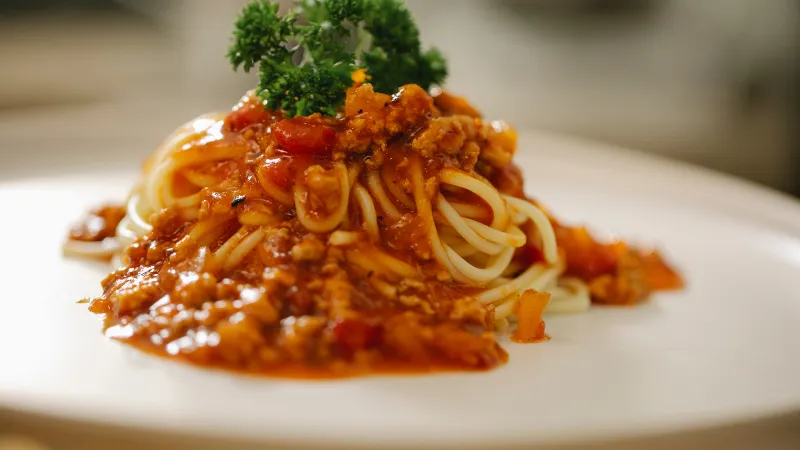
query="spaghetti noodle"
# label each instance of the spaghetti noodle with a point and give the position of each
(393, 237)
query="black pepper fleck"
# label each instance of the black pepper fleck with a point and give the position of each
(238, 200)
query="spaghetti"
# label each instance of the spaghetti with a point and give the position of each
(395, 236)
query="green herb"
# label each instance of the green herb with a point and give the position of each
(305, 65)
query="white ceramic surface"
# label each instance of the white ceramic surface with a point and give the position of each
(725, 349)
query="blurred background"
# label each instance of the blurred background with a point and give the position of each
(712, 82)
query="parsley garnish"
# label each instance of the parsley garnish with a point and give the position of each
(306, 66)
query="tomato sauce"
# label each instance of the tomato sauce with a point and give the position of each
(293, 304)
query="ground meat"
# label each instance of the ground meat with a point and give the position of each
(297, 333)
(447, 135)
(374, 118)
(406, 336)
(337, 293)
(501, 144)
(276, 247)
(616, 273)
(464, 347)
(416, 302)
(311, 248)
(468, 155)
(129, 289)
(291, 300)
(466, 309)
(323, 189)
(99, 224)
(194, 288)
(410, 106)
(451, 105)
(409, 233)
(239, 338)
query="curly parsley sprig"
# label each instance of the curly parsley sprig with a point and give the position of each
(306, 67)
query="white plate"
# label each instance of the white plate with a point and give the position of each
(725, 349)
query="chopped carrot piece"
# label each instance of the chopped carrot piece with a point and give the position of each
(530, 326)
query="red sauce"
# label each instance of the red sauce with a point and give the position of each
(249, 111)
(304, 136)
(280, 170)
(98, 224)
(296, 305)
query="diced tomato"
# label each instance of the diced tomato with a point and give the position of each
(355, 334)
(301, 135)
(278, 170)
(246, 114)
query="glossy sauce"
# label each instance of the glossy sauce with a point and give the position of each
(296, 306)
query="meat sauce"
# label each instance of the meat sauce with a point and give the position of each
(295, 306)
(98, 224)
